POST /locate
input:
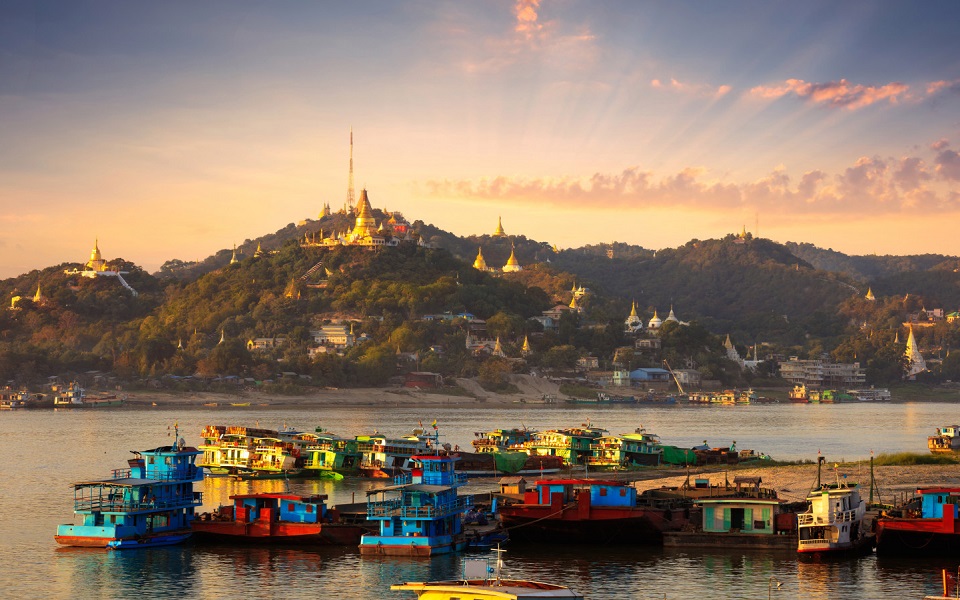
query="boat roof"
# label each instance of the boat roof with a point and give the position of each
(581, 482)
(171, 449)
(412, 487)
(735, 500)
(939, 490)
(308, 499)
(124, 482)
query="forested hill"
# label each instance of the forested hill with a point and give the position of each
(870, 267)
(754, 288)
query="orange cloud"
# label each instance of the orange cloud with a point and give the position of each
(834, 93)
(872, 185)
(527, 18)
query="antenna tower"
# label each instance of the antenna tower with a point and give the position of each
(349, 204)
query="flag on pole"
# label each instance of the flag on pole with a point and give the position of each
(434, 424)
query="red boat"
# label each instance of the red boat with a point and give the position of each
(277, 518)
(590, 511)
(928, 525)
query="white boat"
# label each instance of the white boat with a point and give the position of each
(478, 585)
(833, 521)
(871, 395)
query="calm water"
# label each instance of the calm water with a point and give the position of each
(45, 451)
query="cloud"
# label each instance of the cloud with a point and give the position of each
(935, 87)
(527, 18)
(948, 165)
(871, 185)
(695, 89)
(840, 93)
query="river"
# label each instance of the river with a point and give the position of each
(44, 451)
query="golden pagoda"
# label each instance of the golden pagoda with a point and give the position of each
(96, 262)
(259, 251)
(525, 349)
(870, 295)
(498, 349)
(574, 305)
(366, 225)
(633, 323)
(233, 258)
(915, 362)
(499, 232)
(480, 264)
(512, 265)
(38, 297)
(655, 321)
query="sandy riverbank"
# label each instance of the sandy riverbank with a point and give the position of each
(532, 391)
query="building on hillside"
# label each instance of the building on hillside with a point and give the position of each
(588, 363)
(819, 374)
(688, 378)
(337, 336)
(647, 343)
(423, 379)
(654, 375)
(732, 353)
(265, 343)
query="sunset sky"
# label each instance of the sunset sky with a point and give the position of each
(174, 129)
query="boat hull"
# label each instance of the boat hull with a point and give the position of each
(916, 537)
(606, 526)
(322, 534)
(377, 546)
(164, 539)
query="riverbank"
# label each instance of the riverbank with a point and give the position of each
(792, 482)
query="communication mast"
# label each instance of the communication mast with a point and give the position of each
(348, 206)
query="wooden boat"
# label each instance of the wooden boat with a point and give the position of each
(420, 514)
(71, 396)
(950, 590)
(833, 522)
(276, 518)
(501, 440)
(946, 440)
(383, 457)
(589, 511)
(928, 525)
(798, 395)
(477, 584)
(151, 503)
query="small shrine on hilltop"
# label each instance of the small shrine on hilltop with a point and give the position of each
(97, 267)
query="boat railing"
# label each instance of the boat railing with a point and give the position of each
(189, 473)
(395, 507)
(127, 505)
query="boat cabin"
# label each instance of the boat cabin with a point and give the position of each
(248, 508)
(601, 493)
(935, 501)
(740, 515)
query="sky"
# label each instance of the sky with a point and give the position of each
(175, 129)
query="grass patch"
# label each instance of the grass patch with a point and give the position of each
(911, 458)
(578, 391)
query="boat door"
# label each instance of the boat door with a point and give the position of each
(736, 519)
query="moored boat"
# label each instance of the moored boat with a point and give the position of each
(947, 439)
(420, 514)
(71, 396)
(871, 395)
(151, 503)
(276, 518)
(833, 522)
(478, 584)
(798, 395)
(589, 511)
(928, 525)
(493, 464)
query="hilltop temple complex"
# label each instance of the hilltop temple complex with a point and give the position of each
(366, 231)
(97, 266)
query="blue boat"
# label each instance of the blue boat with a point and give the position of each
(420, 514)
(151, 503)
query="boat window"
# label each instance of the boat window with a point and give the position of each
(603, 491)
(623, 491)
(309, 508)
